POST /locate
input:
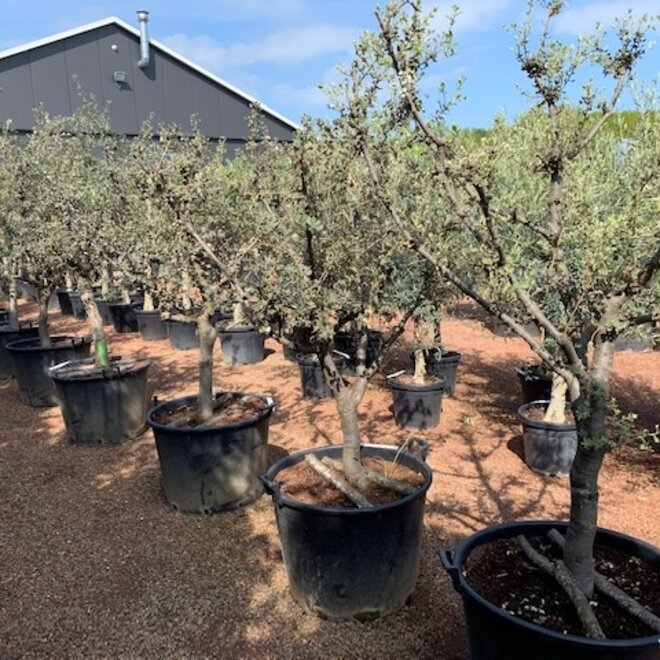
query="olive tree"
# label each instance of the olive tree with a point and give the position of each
(562, 216)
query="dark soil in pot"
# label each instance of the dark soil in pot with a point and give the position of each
(417, 405)
(32, 363)
(215, 466)
(535, 382)
(151, 325)
(515, 612)
(8, 335)
(349, 563)
(183, 335)
(103, 406)
(241, 344)
(549, 448)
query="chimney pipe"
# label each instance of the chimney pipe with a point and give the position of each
(143, 17)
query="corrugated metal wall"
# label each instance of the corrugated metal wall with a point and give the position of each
(166, 89)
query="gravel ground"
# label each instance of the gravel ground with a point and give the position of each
(95, 564)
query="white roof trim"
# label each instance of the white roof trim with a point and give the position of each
(160, 46)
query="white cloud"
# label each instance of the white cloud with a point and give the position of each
(474, 16)
(578, 20)
(291, 46)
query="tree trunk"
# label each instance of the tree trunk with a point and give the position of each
(68, 280)
(125, 296)
(105, 283)
(592, 446)
(420, 366)
(148, 302)
(241, 313)
(347, 407)
(556, 411)
(12, 310)
(95, 321)
(44, 299)
(207, 335)
(186, 286)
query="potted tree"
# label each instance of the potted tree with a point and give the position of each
(43, 242)
(328, 263)
(103, 399)
(212, 447)
(547, 202)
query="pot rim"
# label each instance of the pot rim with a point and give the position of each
(540, 424)
(237, 329)
(22, 325)
(100, 373)
(263, 414)
(454, 563)
(64, 342)
(282, 499)
(396, 384)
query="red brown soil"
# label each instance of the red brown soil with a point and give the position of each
(303, 483)
(95, 563)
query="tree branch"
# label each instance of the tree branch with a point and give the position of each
(338, 482)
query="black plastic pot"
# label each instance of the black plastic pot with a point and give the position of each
(64, 301)
(208, 470)
(27, 290)
(105, 406)
(549, 448)
(183, 335)
(8, 335)
(104, 310)
(77, 307)
(241, 344)
(123, 317)
(301, 338)
(351, 563)
(348, 344)
(535, 383)
(32, 363)
(417, 406)
(443, 364)
(4, 315)
(151, 325)
(494, 633)
(312, 380)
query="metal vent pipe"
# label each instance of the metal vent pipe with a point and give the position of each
(143, 17)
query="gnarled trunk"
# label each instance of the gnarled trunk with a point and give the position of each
(44, 299)
(12, 309)
(556, 411)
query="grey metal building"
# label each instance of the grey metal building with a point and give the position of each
(137, 78)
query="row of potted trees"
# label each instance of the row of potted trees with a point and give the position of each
(366, 217)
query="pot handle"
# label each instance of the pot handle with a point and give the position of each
(272, 488)
(448, 563)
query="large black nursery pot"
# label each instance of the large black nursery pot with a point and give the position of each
(25, 330)
(4, 315)
(213, 468)
(64, 302)
(345, 564)
(301, 338)
(241, 344)
(103, 405)
(183, 335)
(535, 382)
(443, 364)
(348, 342)
(151, 325)
(417, 405)
(104, 310)
(123, 316)
(77, 307)
(32, 364)
(312, 380)
(495, 634)
(549, 448)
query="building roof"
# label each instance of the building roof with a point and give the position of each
(113, 20)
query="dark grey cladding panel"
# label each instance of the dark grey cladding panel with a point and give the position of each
(50, 78)
(84, 68)
(278, 130)
(120, 96)
(178, 84)
(208, 107)
(16, 98)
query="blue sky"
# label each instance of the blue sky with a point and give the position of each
(280, 50)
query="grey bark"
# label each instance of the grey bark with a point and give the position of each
(207, 335)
